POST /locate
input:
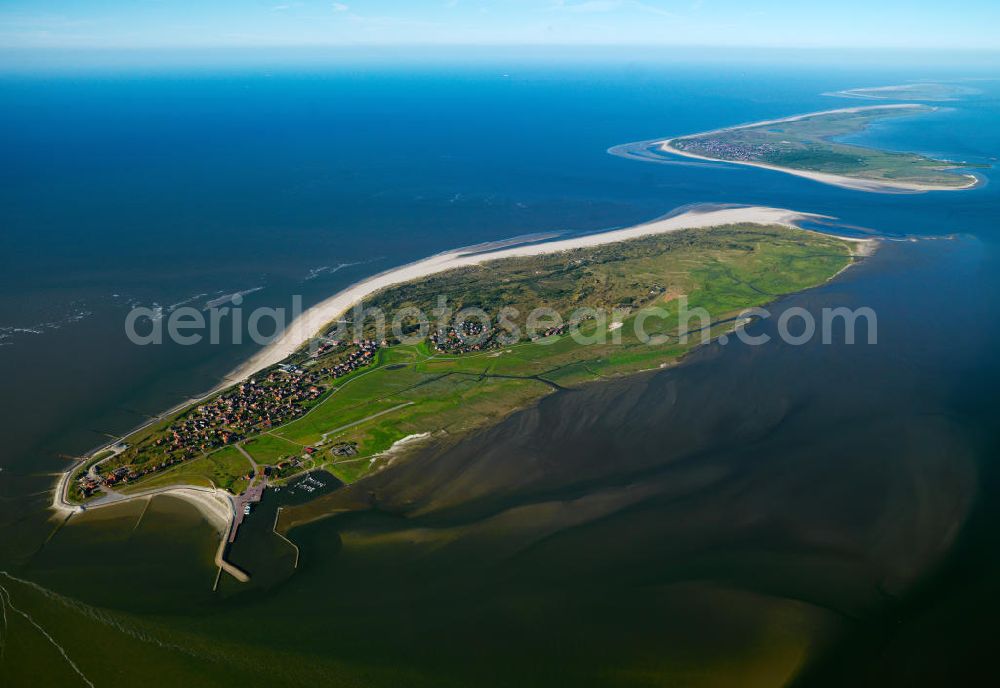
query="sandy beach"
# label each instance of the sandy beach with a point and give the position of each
(857, 184)
(905, 92)
(316, 319)
(217, 505)
(214, 503)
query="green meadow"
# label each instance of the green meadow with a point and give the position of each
(413, 390)
(811, 144)
(226, 468)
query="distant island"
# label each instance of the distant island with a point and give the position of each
(928, 92)
(807, 146)
(348, 406)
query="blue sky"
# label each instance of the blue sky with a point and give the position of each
(914, 24)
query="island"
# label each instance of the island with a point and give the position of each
(349, 406)
(929, 92)
(810, 146)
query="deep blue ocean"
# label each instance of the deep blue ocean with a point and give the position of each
(121, 188)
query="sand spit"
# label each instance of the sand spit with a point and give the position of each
(855, 183)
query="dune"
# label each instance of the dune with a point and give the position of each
(314, 320)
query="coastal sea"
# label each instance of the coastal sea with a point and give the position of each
(786, 513)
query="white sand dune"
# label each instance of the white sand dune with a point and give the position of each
(314, 320)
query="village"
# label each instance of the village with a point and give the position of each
(726, 150)
(472, 336)
(283, 394)
(467, 337)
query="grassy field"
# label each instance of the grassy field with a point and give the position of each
(412, 389)
(226, 468)
(810, 144)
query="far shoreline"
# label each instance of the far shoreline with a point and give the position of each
(853, 183)
(842, 181)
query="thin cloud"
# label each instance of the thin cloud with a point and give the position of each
(603, 6)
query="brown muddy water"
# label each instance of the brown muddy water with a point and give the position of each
(755, 516)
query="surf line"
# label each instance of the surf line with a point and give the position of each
(3, 633)
(4, 592)
(274, 529)
(138, 521)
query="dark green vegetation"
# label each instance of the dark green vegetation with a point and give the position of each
(226, 468)
(412, 389)
(810, 144)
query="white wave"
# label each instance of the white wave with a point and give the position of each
(229, 298)
(174, 306)
(5, 593)
(328, 270)
(7, 332)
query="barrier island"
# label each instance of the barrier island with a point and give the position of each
(347, 405)
(811, 146)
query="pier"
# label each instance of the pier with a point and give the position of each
(253, 494)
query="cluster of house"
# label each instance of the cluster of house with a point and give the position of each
(344, 449)
(360, 356)
(468, 337)
(258, 405)
(89, 484)
(291, 464)
(551, 332)
(724, 150)
(472, 336)
(253, 406)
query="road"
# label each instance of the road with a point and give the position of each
(244, 452)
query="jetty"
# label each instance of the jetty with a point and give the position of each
(244, 503)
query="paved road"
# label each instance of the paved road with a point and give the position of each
(367, 418)
(253, 463)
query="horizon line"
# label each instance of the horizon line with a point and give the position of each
(491, 45)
